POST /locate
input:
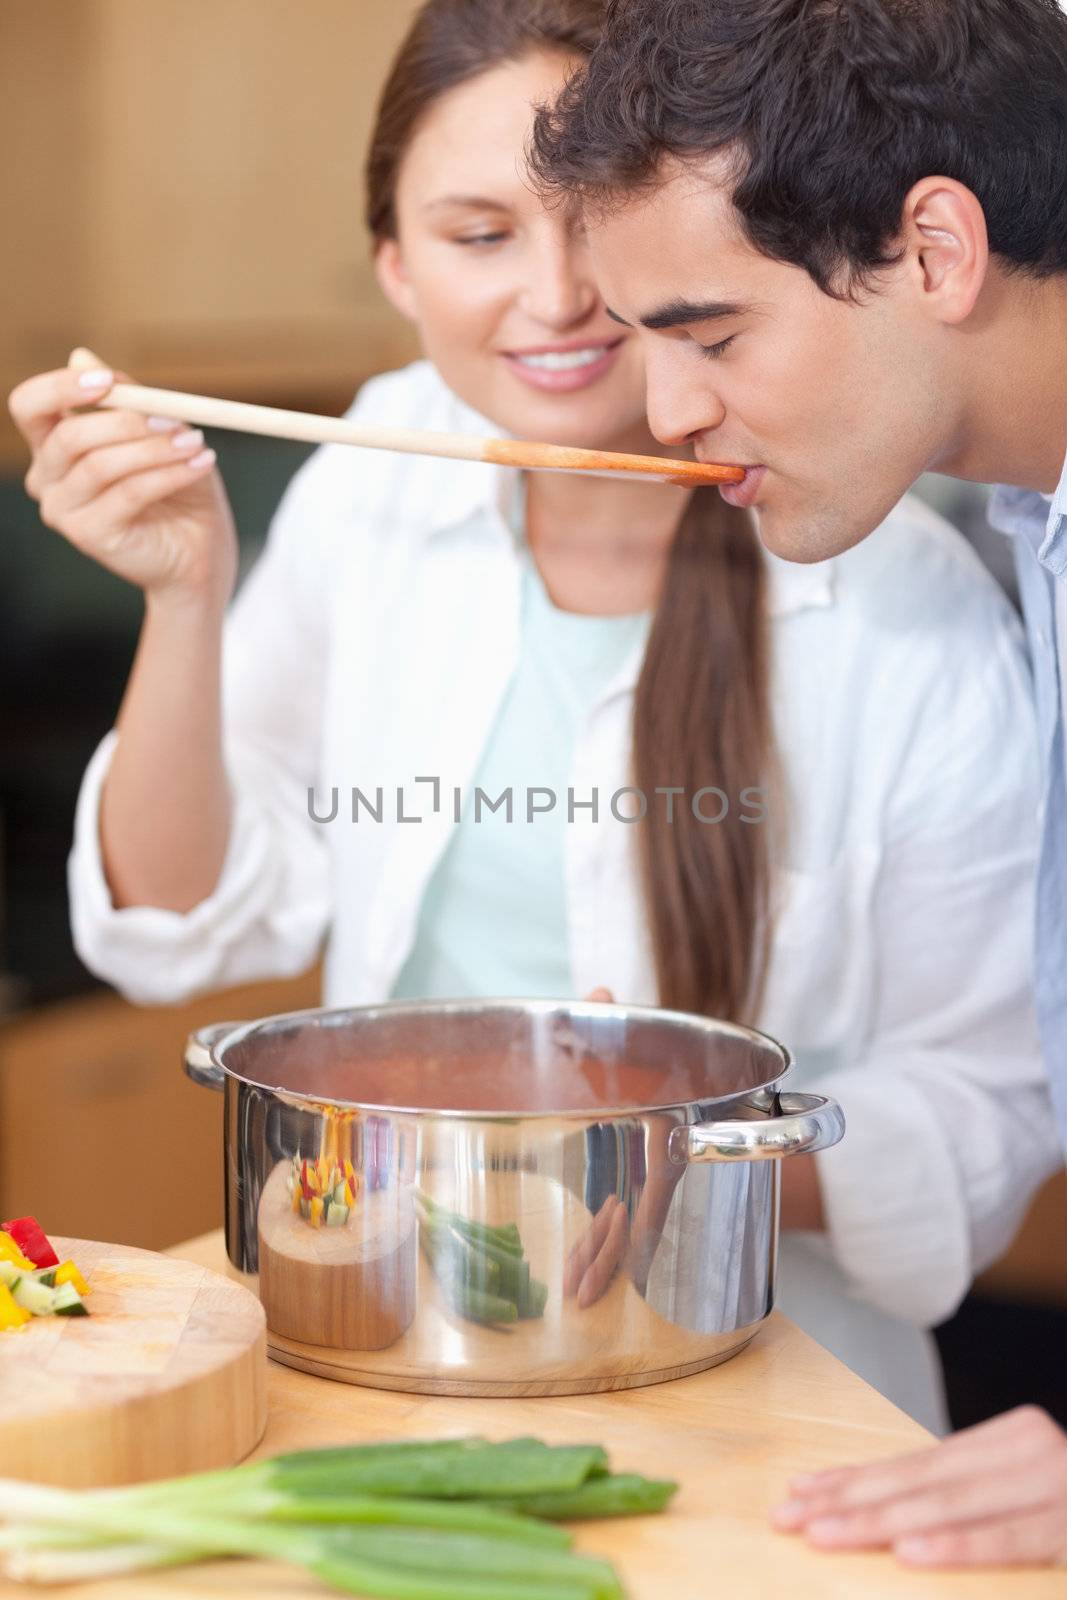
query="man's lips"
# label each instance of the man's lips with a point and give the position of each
(744, 494)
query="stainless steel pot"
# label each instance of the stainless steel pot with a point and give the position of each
(542, 1198)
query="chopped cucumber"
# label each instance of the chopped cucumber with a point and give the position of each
(34, 1297)
(337, 1215)
(9, 1273)
(47, 1276)
(67, 1302)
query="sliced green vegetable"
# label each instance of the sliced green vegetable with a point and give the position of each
(455, 1519)
(478, 1307)
(482, 1270)
(67, 1302)
(455, 1470)
(474, 1516)
(472, 1557)
(615, 1495)
(532, 1303)
(34, 1297)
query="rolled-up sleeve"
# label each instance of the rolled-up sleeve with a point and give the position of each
(949, 1125)
(271, 907)
(266, 917)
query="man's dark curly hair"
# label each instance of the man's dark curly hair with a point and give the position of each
(828, 111)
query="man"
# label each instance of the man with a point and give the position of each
(840, 227)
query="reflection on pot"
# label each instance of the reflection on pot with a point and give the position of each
(482, 1271)
(337, 1256)
(595, 1187)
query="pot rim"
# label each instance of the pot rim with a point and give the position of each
(227, 1035)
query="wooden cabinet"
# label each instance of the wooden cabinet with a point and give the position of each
(182, 190)
(101, 1133)
(1035, 1268)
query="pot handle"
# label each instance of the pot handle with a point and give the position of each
(198, 1062)
(801, 1124)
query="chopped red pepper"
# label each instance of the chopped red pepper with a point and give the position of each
(32, 1241)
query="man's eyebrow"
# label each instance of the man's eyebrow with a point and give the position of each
(677, 313)
(482, 202)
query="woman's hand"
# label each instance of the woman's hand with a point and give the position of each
(995, 1495)
(140, 495)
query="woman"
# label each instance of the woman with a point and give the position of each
(840, 812)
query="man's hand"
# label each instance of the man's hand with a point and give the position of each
(995, 1495)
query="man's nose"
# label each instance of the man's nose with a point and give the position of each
(681, 400)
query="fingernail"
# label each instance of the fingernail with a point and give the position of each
(187, 439)
(161, 424)
(97, 378)
(204, 459)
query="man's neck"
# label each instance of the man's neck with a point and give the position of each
(1016, 379)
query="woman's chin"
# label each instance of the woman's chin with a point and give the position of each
(582, 420)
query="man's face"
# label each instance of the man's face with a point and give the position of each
(835, 406)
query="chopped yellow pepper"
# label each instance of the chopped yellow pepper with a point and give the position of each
(9, 1251)
(11, 1314)
(316, 1212)
(68, 1273)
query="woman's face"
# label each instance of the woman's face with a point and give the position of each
(499, 288)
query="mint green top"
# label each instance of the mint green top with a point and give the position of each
(493, 920)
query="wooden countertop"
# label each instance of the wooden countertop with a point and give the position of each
(731, 1436)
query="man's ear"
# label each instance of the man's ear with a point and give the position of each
(944, 233)
(393, 279)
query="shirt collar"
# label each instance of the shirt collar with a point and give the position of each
(794, 586)
(1059, 499)
(463, 489)
(1028, 514)
(471, 488)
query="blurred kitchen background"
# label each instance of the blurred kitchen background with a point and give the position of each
(180, 190)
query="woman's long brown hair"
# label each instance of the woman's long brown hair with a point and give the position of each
(702, 718)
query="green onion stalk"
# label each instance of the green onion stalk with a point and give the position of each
(455, 1519)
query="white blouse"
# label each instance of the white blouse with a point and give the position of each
(370, 649)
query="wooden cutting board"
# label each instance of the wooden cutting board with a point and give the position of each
(166, 1375)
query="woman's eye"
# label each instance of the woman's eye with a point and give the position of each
(714, 351)
(481, 238)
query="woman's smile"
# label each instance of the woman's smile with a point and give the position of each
(563, 368)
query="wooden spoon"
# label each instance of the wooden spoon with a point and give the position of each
(276, 424)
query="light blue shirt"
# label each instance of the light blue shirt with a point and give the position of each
(1039, 528)
(493, 920)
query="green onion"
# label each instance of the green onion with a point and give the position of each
(505, 1238)
(616, 1495)
(482, 1270)
(461, 1470)
(454, 1519)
